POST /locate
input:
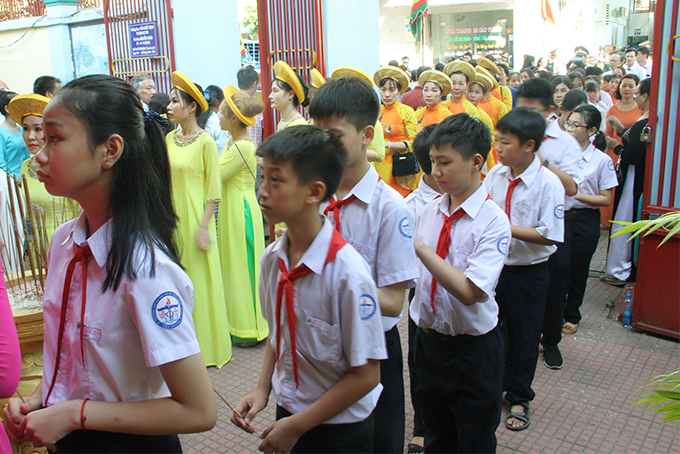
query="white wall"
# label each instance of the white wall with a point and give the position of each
(207, 46)
(352, 34)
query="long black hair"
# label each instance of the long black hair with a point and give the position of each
(143, 216)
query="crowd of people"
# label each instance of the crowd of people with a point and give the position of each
(477, 201)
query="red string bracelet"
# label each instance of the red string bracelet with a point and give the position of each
(83, 418)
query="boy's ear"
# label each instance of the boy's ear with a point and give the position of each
(530, 146)
(368, 134)
(316, 191)
(477, 162)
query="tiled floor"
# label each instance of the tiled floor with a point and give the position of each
(585, 407)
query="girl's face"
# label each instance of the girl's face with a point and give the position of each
(559, 92)
(70, 166)
(576, 126)
(627, 88)
(525, 76)
(474, 93)
(515, 80)
(389, 93)
(578, 83)
(614, 84)
(618, 71)
(279, 98)
(34, 138)
(432, 94)
(593, 96)
(605, 85)
(459, 85)
(178, 110)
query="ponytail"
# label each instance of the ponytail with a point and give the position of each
(600, 141)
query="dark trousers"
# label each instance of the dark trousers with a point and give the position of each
(389, 412)
(94, 441)
(586, 234)
(559, 269)
(332, 438)
(459, 387)
(418, 426)
(521, 294)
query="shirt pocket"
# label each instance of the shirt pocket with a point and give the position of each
(321, 341)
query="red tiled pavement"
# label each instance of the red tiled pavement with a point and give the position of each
(583, 408)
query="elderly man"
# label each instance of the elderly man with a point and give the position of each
(615, 60)
(145, 87)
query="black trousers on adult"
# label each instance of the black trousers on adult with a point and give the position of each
(334, 438)
(390, 424)
(418, 426)
(459, 385)
(94, 441)
(586, 234)
(521, 294)
(559, 269)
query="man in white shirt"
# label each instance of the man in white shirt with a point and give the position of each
(631, 65)
(644, 61)
(615, 61)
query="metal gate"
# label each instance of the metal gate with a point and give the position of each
(657, 292)
(292, 31)
(140, 40)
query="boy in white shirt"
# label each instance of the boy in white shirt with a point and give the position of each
(373, 218)
(461, 241)
(533, 199)
(322, 358)
(560, 153)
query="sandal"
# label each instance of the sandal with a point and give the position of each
(569, 328)
(414, 448)
(523, 416)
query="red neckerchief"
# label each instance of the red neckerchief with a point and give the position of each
(335, 205)
(286, 285)
(82, 254)
(444, 243)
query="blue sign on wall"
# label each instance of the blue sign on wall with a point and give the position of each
(143, 39)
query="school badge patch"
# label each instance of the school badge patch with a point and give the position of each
(502, 245)
(559, 211)
(367, 306)
(167, 310)
(405, 228)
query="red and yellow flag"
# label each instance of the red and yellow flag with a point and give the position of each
(419, 10)
(546, 12)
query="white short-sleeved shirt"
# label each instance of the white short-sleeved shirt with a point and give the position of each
(563, 151)
(537, 202)
(337, 324)
(128, 332)
(379, 226)
(598, 175)
(417, 200)
(479, 241)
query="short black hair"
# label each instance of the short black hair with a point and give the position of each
(545, 75)
(44, 84)
(421, 148)
(524, 123)
(632, 49)
(593, 71)
(421, 70)
(312, 152)
(644, 51)
(537, 89)
(246, 78)
(467, 135)
(350, 98)
(574, 98)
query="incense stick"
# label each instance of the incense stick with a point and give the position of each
(17, 239)
(234, 410)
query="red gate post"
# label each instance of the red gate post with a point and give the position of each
(657, 292)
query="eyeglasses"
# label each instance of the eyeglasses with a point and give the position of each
(573, 126)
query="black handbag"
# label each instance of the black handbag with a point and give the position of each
(404, 164)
